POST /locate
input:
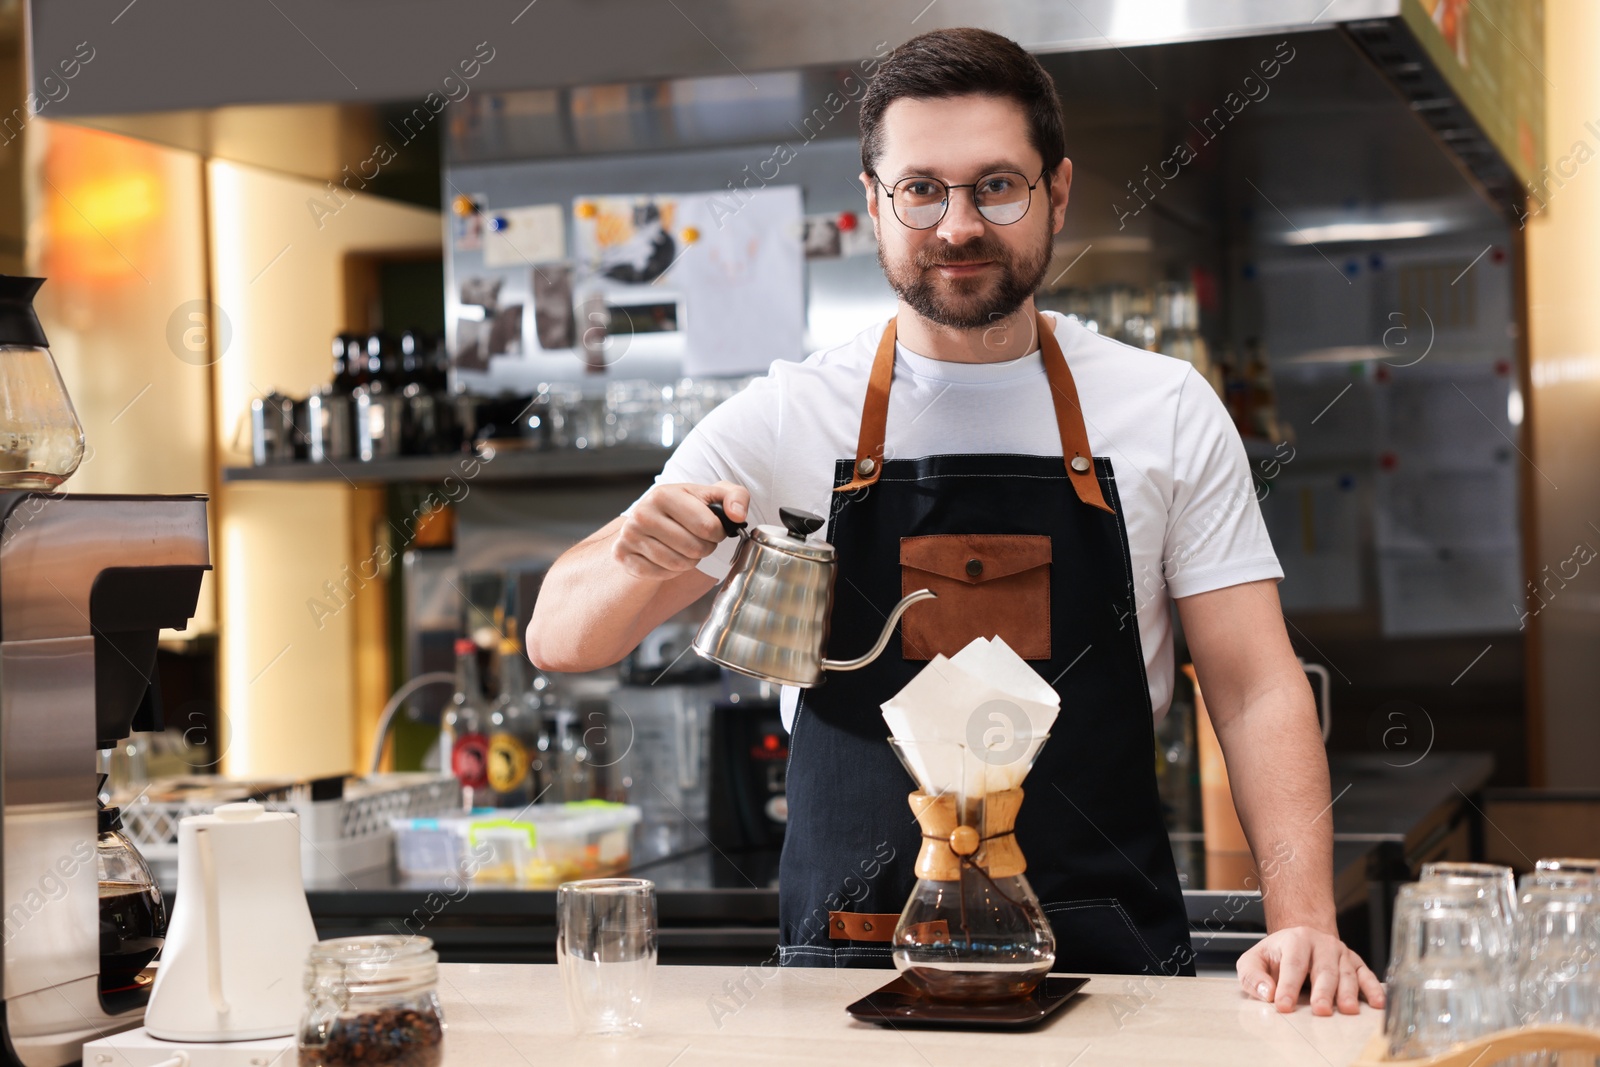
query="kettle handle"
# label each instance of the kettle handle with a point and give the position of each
(729, 527)
(208, 881)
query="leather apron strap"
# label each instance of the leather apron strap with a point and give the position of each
(1075, 451)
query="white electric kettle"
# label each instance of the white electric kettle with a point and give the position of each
(233, 965)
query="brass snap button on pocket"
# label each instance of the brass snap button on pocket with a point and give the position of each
(974, 567)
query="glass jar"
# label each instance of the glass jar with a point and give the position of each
(133, 917)
(372, 1000)
(41, 439)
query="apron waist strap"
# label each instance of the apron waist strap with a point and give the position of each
(862, 925)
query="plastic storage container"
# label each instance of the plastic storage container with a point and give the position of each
(538, 847)
(429, 846)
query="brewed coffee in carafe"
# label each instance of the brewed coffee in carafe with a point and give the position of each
(133, 917)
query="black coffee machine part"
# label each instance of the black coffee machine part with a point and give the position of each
(749, 765)
(95, 579)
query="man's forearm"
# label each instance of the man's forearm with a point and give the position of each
(1279, 773)
(588, 610)
(606, 593)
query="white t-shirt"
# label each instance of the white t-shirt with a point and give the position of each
(1187, 497)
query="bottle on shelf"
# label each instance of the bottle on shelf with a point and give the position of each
(466, 724)
(572, 777)
(1262, 400)
(413, 358)
(341, 383)
(437, 365)
(383, 357)
(518, 741)
(355, 361)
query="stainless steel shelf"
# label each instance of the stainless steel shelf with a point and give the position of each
(502, 466)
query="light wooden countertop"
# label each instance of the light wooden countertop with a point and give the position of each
(511, 1014)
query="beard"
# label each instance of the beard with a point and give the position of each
(969, 303)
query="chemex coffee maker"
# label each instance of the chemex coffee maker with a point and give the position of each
(86, 585)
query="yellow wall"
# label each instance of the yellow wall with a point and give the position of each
(116, 226)
(1563, 242)
(289, 688)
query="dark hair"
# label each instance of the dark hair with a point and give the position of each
(958, 62)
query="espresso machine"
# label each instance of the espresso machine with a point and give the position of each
(86, 585)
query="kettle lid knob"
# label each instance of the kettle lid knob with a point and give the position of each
(802, 524)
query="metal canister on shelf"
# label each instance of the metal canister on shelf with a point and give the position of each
(378, 418)
(272, 429)
(328, 426)
(300, 429)
(425, 422)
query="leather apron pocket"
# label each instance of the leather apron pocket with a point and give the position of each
(989, 585)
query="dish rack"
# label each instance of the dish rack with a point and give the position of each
(339, 837)
(1491, 1048)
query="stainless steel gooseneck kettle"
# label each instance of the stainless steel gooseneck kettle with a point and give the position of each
(770, 617)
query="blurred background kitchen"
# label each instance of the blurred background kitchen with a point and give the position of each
(421, 299)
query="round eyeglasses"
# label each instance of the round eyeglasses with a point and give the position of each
(1001, 198)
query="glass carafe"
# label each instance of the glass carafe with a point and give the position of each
(133, 917)
(972, 928)
(41, 440)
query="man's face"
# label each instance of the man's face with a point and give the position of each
(966, 272)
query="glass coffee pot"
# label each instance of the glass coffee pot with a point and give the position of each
(972, 928)
(133, 917)
(41, 440)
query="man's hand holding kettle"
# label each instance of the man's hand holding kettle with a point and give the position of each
(672, 530)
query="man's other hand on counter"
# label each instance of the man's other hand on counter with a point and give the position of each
(1277, 967)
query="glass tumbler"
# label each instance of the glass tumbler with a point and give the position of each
(1496, 888)
(1558, 973)
(1500, 881)
(1444, 987)
(1574, 865)
(606, 949)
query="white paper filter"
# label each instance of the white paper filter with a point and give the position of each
(971, 723)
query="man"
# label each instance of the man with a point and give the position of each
(1100, 481)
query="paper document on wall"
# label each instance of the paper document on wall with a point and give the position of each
(743, 281)
(525, 236)
(1445, 500)
(1314, 520)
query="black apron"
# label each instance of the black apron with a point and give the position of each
(1032, 548)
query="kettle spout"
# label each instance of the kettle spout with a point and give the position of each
(883, 639)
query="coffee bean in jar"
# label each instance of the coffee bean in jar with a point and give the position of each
(372, 1001)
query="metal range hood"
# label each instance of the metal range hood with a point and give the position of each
(184, 54)
(293, 84)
